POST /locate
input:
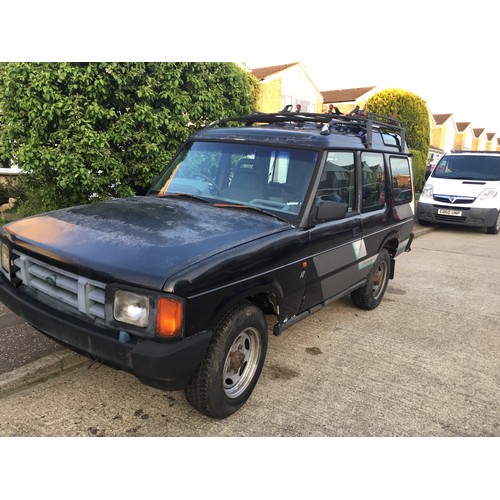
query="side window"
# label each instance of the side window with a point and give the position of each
(373, 175)
(401, 180)
(338, 180)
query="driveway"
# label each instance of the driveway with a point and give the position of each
(425, 363)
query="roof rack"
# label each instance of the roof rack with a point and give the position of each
(336, 121)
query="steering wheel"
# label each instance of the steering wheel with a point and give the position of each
(213, 188)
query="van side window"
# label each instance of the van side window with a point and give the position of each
(338, 180)
(373, 175)
(401, 180)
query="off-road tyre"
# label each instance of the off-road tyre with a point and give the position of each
(370, 295)
(232, 364)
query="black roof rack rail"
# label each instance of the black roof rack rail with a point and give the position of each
(366, 121)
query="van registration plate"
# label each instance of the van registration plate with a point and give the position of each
(447, 211)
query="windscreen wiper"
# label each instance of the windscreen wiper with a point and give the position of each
(183, 195)
(250, 207)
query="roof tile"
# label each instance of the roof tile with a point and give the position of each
(261, 73)
(344, 95)
(440, 119)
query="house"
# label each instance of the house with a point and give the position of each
(491, 141)
(347, 99)
(479, 139)
(463, 137)
(443, 132)
(284, 85)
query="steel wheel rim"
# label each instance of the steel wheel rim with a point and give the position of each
(379, 280)
(498, 223)
(241, 363)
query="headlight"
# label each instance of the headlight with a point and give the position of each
(5, 258)
(487, 194)
(131, 308)
(428, 191)
(152, 314)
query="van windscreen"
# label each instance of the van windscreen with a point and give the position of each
(469, 167)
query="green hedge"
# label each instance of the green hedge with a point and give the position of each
(412, 111)
(90, 131)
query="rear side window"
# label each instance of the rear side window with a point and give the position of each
(373, 175)
(401, 180)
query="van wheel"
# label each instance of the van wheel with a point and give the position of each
(372, 292)
(232, 364)
(495, 228)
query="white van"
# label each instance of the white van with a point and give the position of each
(463, 189)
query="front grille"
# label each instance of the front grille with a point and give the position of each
(61, 289)
(449, 218)
(457, 200)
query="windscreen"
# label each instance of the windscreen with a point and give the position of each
(469, 167)
(267, 177)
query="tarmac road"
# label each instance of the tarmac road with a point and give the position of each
(424, 363)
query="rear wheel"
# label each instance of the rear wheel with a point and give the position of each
(372, 292)
(232, 364)
(495, 228)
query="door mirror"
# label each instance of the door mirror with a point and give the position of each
(329, 210)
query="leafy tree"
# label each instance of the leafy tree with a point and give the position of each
(412, 111)
(90, 131)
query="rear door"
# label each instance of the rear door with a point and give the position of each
(374, 208)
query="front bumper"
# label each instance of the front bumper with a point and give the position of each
(471, 216)
(165, 365)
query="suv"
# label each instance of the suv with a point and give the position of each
(463, 189)
(270, 219)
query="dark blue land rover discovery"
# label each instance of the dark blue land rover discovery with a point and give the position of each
(267, 215)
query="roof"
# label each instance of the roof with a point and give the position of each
(478, 131)
(440, 119)
(345, 95)
(490, 135)
(262, 73)
(461, 126)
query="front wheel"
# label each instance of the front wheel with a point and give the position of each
(232, 364)
(372, 292)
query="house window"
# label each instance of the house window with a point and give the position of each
(305, 106)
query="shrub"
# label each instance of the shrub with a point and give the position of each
(90, 131)
(412, 111)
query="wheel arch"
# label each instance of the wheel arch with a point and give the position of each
(391, 243)
(266, 297)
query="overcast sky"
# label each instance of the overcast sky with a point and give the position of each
(444, 51)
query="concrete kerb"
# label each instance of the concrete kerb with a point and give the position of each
(420, 230)
(41, 369)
